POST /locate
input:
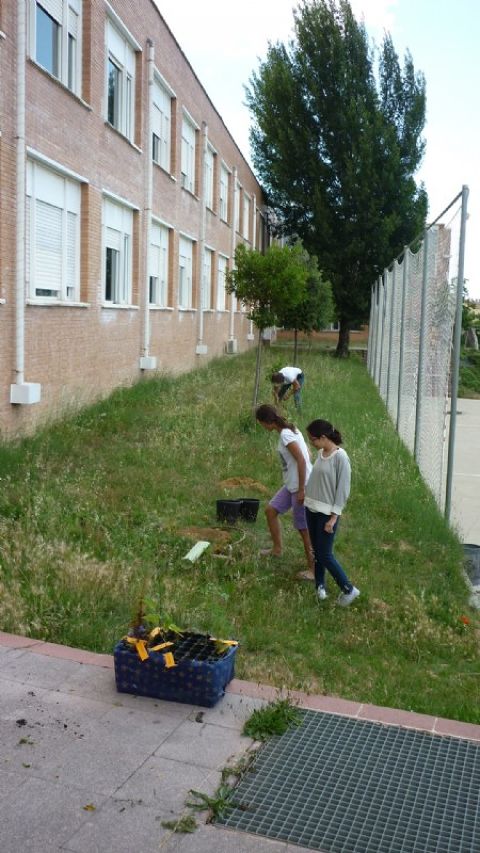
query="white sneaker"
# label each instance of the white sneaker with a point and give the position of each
(321, 593)
(346, 598)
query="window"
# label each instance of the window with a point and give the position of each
(224, 186)
(246, 217)
(221, 281)
(118, 229)
(209, 176)
(159, 265)
(55, 39)
(188, 154)
(207, 280)
(238, 190)
(52, 235)
(185, 273)
(161, 124)
(120, 81)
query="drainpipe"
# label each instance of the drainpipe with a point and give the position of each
(22, 393)
(231, 346)
(201, 348)
(251, 334)
(148, 362)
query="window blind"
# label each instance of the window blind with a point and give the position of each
(48, 247)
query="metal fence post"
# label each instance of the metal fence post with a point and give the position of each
(377, 331)
(406, 257)
(457, 343)
(370, 331)
(390, 341)
(421, 348)
(373, 359)
(381, 323)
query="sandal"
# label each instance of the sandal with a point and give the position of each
(305, 576)
(267, 552)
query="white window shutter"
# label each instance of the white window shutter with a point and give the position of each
(154, 260)
(28, 237)
(48, 247)
(73, 23)
(72, 262)
(54, 8)
(113, 239)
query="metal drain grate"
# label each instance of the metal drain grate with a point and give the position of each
(350, 786)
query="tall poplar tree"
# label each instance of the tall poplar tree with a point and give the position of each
(336, 143)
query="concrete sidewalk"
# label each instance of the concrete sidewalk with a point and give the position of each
(85, 769)
(465, 514)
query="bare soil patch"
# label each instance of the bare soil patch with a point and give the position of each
(244, 482)
(207, 534)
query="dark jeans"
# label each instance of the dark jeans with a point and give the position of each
(296, 394)
(322, 544)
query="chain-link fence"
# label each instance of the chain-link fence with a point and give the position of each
(413, 351)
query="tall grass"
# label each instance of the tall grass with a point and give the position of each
(95, 511)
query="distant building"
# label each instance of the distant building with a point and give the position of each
(123, 197)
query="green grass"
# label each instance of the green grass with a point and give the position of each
(274, 719)
(94, 511)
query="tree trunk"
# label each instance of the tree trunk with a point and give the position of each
(471, 340)
(343, 340)
(295, 346)
(257, 369)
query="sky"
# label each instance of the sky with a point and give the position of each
(224, 41)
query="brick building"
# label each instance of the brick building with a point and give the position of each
(123, 197)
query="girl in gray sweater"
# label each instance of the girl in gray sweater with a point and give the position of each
(326, 494)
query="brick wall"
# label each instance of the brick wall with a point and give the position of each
(78, 353)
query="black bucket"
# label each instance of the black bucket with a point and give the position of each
(249, 509)
(228, 511)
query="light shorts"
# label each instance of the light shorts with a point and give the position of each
(284, 500)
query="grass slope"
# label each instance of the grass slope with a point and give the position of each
(94, 511)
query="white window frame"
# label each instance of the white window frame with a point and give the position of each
(159, 258)
(185, 272)
(246, 216)
(238, 191)
(188, 153)
(120, 51)
(118, 238)
(224, 190)
(222, 267)
(208, 262)
(52, 270)
(67, 14)
(162, 122)
(209, 176)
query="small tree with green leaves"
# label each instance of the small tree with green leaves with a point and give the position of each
(315, 311)
(269, 284)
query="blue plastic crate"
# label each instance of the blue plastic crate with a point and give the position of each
(196, 682)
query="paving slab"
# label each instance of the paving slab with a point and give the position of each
(203, 744)
(84, 768)
(212, 839)
(41, 816)
(119, 827)
(166, 781)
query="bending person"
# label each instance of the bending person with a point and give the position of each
(288, 381)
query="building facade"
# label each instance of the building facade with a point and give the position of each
(123, 197)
